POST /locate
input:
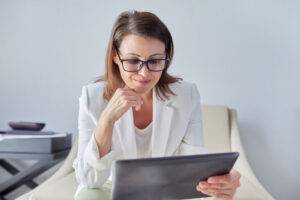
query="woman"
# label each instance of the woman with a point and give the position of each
(138, 110)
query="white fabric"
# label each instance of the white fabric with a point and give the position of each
(143, 141)
(176, 130)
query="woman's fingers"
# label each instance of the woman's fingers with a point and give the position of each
(130, 103)
(130, 94)
(224, 194)
(233, 176)
(205, 184)
(121, 101)
(127, 101)
(131, 98)
(221, 187)
(216, 190)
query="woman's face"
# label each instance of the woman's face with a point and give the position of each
(142, 48)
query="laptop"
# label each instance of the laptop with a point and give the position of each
(173, 177)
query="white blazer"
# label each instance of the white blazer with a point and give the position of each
(177, 130)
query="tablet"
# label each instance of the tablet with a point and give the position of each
(173, 177)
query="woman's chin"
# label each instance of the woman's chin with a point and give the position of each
(141, 90)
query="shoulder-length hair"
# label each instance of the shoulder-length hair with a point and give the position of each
(143, 24)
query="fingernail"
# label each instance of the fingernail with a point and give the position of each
(211, 180)
(202, 185)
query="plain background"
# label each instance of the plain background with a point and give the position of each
(244, 54)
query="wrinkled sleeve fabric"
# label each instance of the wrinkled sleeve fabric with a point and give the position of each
(193, 142)
(91, 171)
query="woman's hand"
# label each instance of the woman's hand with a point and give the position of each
(121, 101)
(221, 187)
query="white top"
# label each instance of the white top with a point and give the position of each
(143, 141)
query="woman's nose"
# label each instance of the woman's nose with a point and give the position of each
(144, 71)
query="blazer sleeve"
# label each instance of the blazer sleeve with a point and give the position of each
(193, 142)
(91, 171)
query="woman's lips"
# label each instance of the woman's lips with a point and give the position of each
(144, 82)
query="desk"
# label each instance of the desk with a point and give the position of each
(25, 177)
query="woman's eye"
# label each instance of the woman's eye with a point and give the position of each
(153, 62)
(133, 61)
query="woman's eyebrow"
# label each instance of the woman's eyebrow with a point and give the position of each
(134, 54)
(157, 54)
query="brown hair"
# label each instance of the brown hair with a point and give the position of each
(144, 24)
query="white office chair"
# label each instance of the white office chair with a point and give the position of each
(221, 134)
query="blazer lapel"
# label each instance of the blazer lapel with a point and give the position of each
(162, 119)
(126, 133)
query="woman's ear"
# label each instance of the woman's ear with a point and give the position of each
(115, 57)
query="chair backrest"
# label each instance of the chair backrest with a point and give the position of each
(216, 125)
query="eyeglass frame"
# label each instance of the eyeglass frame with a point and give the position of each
(142, 64)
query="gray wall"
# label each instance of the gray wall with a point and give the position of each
(240, 53)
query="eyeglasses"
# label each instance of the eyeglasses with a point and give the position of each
(135, 65)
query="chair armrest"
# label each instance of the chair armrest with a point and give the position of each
(242, 164)
(66, 167)
(64, 170)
